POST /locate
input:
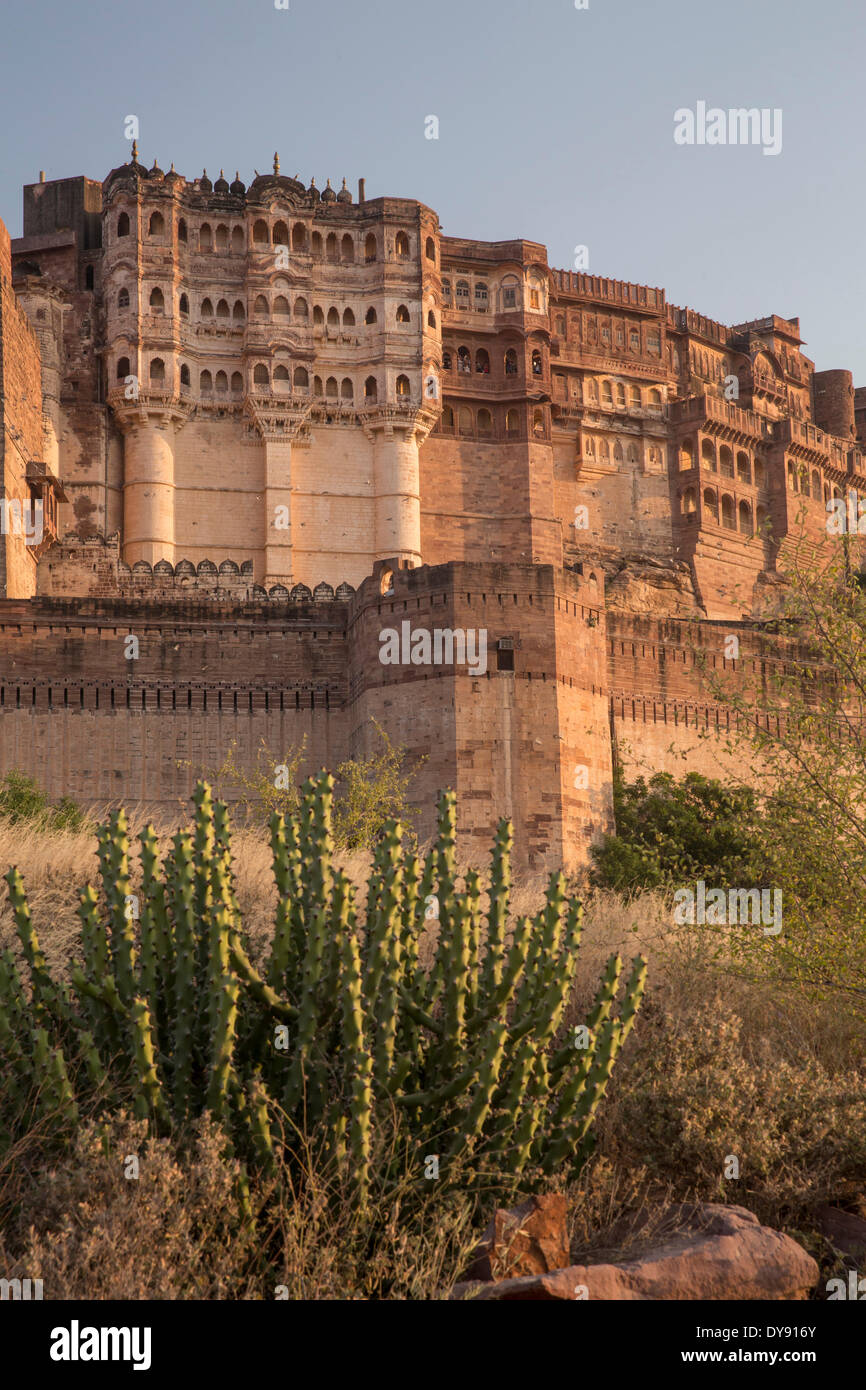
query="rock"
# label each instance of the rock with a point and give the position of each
(844, 1230)
(531, 1238)
(717, 1253)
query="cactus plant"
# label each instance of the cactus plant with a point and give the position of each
(167, 1002)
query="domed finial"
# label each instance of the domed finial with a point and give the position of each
(172, 169)
(135, 151)
(276, 163)
(222, 175)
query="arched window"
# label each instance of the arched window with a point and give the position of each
(331, 386)
(281, 307)
(728, 513)
(430, 249)
(402, 386)
(464, 360)
(206, 309)
(237, 241)
(299, 237)
(617, 452)
(448, 417)
(726, 462)
(512, 422)
(261, 375)
(281, 377)
(485, 422)
(221, 383)
(221, 240)
(237, 384)
(333, 317)
(402, 313)
(184, 306)
(760, 473)
(401, 246)
(708, 455)
(816, 486)
(744, 467)
(538, 422)
(239, 313)
(370, 247)
(317, 243)
(687, 455)
(318, 314)
(260, 233)
(157, 300)
(260, 308)
(205, 237)
(347, 390)
(634, 397)
(331, 248)
(301, 378)
(462, 294)
(370, 389)
(711, 505)
(446, 291)
(205, 383)
(482, 362)
(745, 519)
(634, 340)
(481, 298)
(280, 234)
(347, 250)
(590, 389)
(655, 399)
(122, 368)
(123, 224)
(317, 386)
(792, 478)
(431, 319)
(181, 229)
(370, 316)
(606, 393)
(222, 309)
(511, 362)
(446, 361)
(157, 224)
(688, 502)
(123, 298)
(509, 292)
(301, 309)
(184, 374)
(157, 370)
(348, 318)
(620, 394)
(603, 450)
(464, 420)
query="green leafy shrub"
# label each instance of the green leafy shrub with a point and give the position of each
(669, 833)
(22, 800)
(342, 1028)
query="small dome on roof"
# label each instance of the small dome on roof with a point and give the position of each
(156, 172)
(238, 188)
(344, 196)
(204, 182)
(221, 185)
(328, 194)
(314, 192)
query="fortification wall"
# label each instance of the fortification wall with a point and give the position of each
(20, 426)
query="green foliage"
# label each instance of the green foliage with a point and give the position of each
(800, 728)
(368, 792)
(342, 1027)
(21, 800)
(669, 833)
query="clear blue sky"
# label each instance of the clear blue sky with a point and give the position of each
(555, 124)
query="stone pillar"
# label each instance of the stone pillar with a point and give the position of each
(279, 422)
(150, 426)
(397, 435)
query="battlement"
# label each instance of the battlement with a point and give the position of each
(623, 292)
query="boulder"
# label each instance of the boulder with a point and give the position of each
(844, 1230)
(531, 1238)
(716, 1253)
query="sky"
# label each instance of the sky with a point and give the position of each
(554, 123)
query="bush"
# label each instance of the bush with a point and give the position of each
(669, 833)
(21, 800)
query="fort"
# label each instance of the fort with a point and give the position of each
(264, 425)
